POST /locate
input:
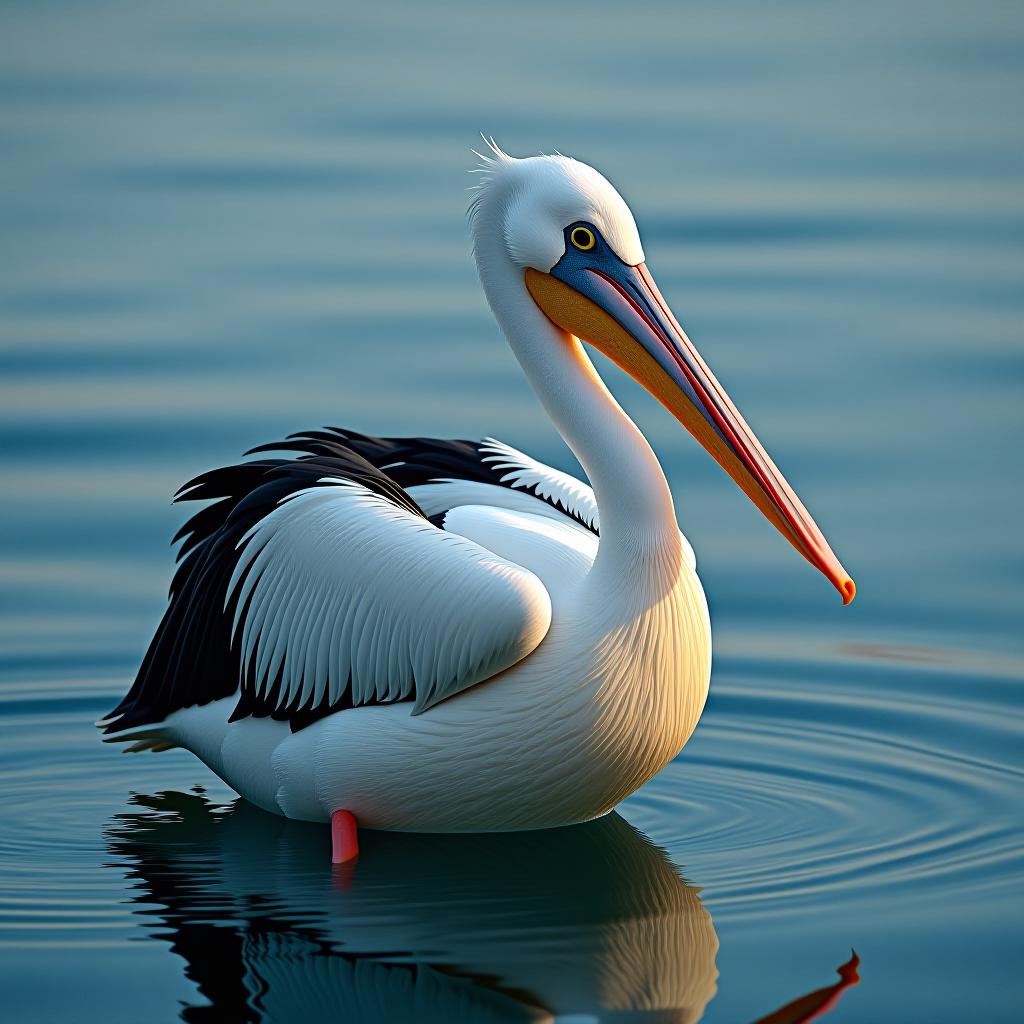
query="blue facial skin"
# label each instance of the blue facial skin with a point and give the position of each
(574, 269)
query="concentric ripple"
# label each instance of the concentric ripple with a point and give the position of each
(822, 780)
(805, 782)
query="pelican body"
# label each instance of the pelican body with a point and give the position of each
(449, 636)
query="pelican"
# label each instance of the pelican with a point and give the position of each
(449, 636)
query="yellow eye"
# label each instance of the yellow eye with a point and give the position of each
(582, 238)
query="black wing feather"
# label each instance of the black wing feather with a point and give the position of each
(412, 461)
(191, 659)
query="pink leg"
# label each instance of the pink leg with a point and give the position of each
(344, 837)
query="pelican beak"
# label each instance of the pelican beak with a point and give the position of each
(619, 310)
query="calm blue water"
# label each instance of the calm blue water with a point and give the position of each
(222, 223)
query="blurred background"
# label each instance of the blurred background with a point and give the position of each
(221, 223)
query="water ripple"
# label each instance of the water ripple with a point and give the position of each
(790, 792)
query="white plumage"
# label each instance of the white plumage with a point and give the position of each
(563, 491)
(320, 613)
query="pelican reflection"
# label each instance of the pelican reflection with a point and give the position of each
(592, 919)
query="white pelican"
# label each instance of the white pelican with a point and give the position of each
(449, 636)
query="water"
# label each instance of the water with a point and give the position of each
(222, 224)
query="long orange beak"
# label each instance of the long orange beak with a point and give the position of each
(619, 310)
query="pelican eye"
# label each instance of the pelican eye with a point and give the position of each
(583, 238)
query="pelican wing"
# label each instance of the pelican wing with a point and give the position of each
(442, 474)
(343, 598)
(315, 584)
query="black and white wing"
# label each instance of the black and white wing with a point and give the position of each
(443, 474)
(316, 584)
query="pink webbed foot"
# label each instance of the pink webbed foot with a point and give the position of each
(344, 837)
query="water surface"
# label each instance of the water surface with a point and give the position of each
(221, 224)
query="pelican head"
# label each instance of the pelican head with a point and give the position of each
(571, 235)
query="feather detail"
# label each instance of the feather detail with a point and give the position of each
(315, 584)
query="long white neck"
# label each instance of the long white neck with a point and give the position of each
(638, 524)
